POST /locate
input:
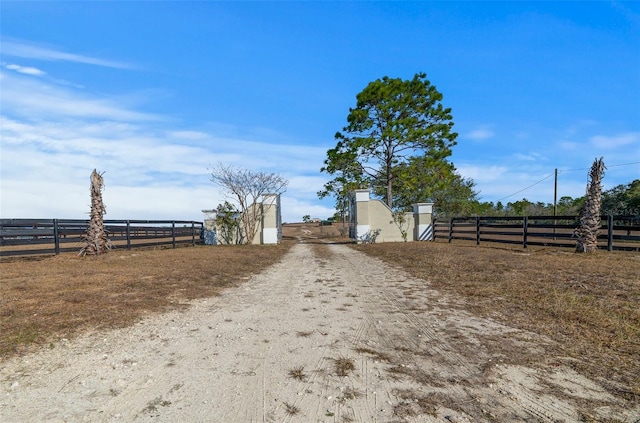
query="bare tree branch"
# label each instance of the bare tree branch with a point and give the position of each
(246, 188)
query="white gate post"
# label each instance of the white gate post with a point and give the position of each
(423, 218)
(209, 227)
(271, 221)
(362, 227)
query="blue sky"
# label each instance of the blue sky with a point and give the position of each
(155, 93)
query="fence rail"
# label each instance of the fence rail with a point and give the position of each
(616, 232)
(19, 237)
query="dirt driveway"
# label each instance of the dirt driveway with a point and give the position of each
(326, 335)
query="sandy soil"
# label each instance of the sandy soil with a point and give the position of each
(278, 349)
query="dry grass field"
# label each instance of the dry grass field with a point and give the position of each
(587, 303)
(46, 298)
(52, 297)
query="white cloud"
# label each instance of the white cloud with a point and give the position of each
(510, 182)
(52, 198)
(529, 157)
(165, 201)
(510, 190)
(29, 97)
(122, 149)
(188, 135)
(307, 186)
(569, 145)
(269, 156)
(42, 198)
(480, 134)
(293, 209)
(46, 165)
(26, 50)
(482, 173)
(25, 70)
(615, 141)
(53, 137)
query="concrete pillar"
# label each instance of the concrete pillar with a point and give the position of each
(270, 219)
(209, 227)
(423, 219)
(362, 227)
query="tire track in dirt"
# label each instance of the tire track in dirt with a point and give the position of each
(230, 358)
(509, 399)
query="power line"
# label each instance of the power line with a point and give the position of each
(607, 166)
(623, 164)
(564, 170)
(532, 185)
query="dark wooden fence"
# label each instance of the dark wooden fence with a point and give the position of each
(617, 232)
(19, 237)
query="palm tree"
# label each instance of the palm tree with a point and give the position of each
(587, 232)
(96, 241)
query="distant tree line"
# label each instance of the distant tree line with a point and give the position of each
(623, 199)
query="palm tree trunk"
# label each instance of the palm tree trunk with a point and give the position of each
(96, 241)
(587, 232)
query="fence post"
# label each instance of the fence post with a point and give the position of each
(450, 230)
(477, 230)
(193, 234)
(525, 226)
(610, 232)
(173, 233)
(56, 239)
(128, 235)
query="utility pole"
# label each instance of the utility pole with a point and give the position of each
(555, 193)
(555, 202)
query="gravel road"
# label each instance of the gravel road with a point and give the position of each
(331, 337)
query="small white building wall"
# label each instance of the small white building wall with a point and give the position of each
(370, 216)
(268, 228)
(381, 217)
